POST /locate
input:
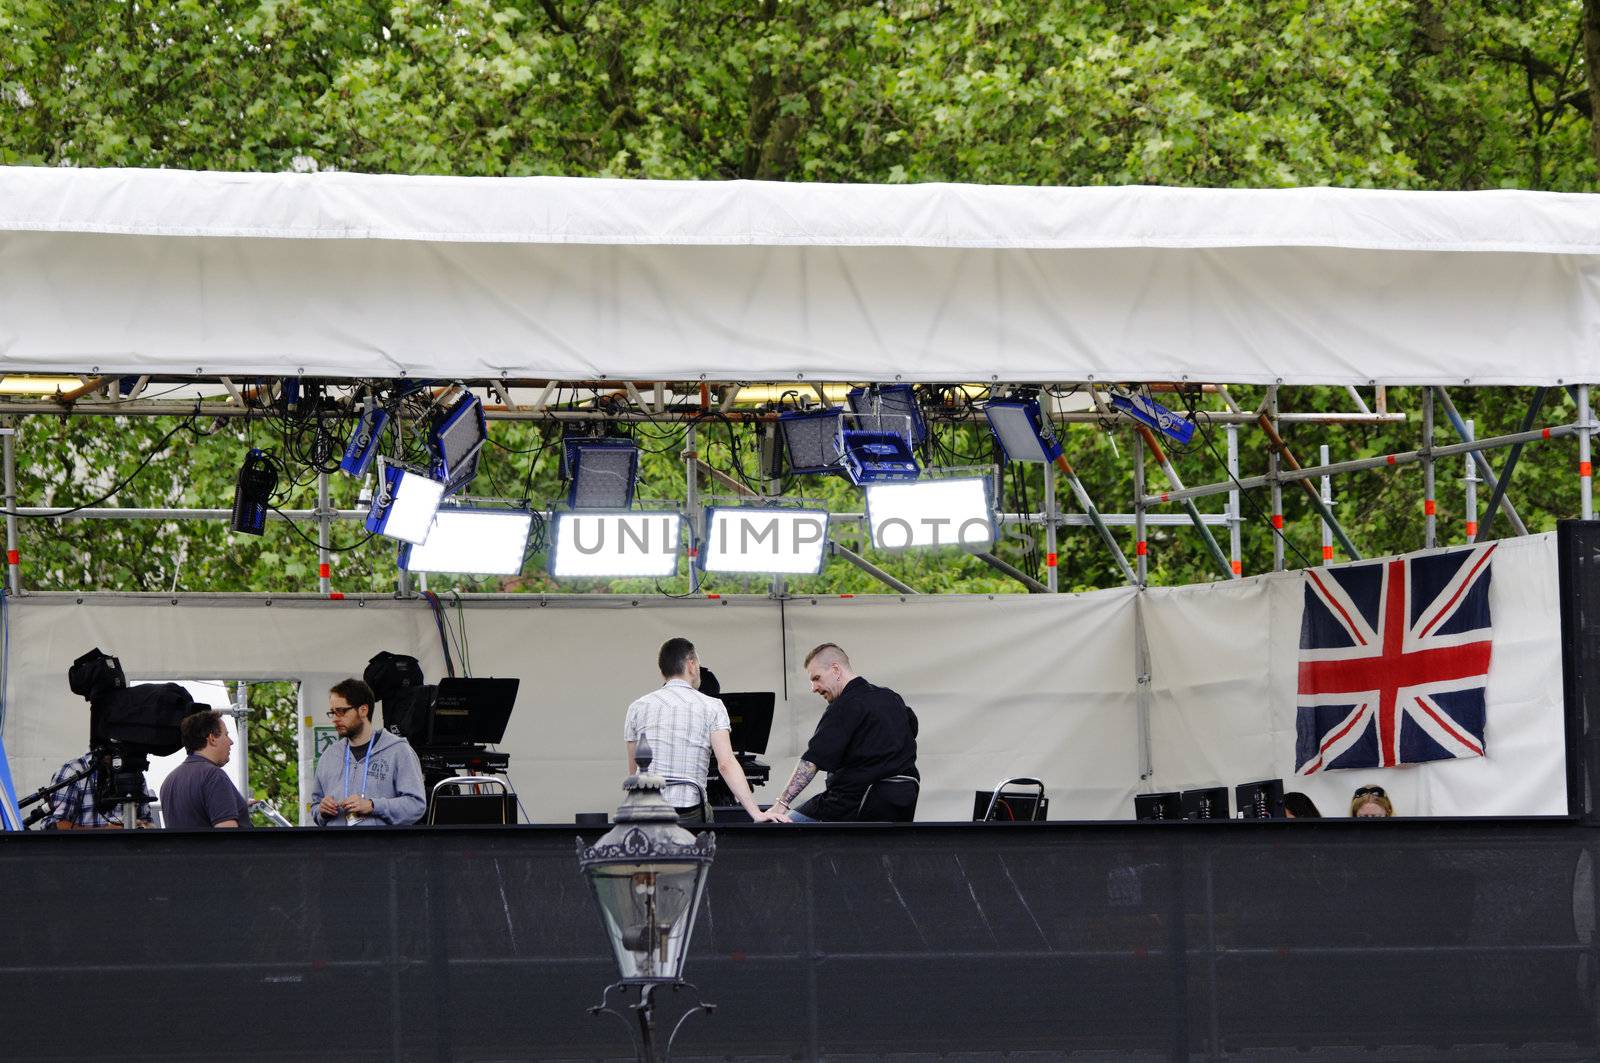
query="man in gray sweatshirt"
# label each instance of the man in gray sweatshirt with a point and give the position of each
(369, 777)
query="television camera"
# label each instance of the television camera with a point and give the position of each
(127, 726)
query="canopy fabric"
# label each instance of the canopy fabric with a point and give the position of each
(350, 275)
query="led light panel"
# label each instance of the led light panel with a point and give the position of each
(757, 539)
(603, 473)
(591, 545)
(456, 436)
(468, 539)
(1022, 431)
(930, 513)
(811, 441)
(405, 505)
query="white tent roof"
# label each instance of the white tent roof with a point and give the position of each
(132, 271)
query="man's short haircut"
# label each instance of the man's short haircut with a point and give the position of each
(831, 648)
(355, 693)
(197, 727)
(674, 657)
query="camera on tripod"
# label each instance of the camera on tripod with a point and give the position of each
(127, 725)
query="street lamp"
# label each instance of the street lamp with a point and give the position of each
(647, 874)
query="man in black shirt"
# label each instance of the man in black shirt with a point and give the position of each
(866, 735)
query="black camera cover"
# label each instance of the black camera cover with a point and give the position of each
(96, 674)
(388, 673)
(143, 718)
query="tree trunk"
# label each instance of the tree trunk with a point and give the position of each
(1591, 62)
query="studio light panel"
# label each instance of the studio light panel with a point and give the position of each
(931, 513)
(1020, 427)
(405, 505)
(764, 540)
(603, 473)
(485, 541)
(610, 545)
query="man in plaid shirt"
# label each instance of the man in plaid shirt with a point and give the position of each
(684, 728)
(72, 806)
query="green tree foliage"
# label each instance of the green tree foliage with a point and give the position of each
(1392, 93)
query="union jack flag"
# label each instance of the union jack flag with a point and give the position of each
(1394, 659)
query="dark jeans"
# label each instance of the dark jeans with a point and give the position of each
(692, 814)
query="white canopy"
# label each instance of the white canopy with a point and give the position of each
(162, 271)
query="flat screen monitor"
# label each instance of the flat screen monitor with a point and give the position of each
(750, 717)
(1158, 806)
(1208, 803)
(1259, 800)
(467, 711)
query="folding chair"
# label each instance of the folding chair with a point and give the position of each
(1011, 808)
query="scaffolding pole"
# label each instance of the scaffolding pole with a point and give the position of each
(1296, 474)
(1141, 545)
(869, 568)
(1051, 513)
(1235, 518)
(1430, 531)
(691, 466)
(324, 530)
(13, 558)
(1358, 464)
(1093, 513)
(1274, 467)
(1171, 474)
(1327, 501)
(1471, 483)
(1484, 468)
(1510, 467)
(1585, 469)
(1006, 567)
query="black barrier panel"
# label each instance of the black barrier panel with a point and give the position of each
(1232, 941)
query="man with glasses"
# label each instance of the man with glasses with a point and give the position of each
(369, 777)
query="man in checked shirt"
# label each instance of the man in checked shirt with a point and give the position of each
(685, 728)
(72, 807)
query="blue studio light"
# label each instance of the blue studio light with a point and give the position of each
(811, 441)
(456, 434)
(878, 457)
(1021, 429)
(889, 408)
(1143, 408)
(601, 473)
(362, 446)
(405, 504)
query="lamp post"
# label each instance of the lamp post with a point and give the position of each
(647, 874)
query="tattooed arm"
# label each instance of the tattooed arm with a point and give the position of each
(804, 772)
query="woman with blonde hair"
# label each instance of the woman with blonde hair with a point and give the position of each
(1370, 802)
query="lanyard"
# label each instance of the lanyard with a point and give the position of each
(366, 765)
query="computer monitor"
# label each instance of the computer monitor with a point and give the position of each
(1211, 802)
(1259, 800)
(1158, 806)
(468, 711)
(750, 717)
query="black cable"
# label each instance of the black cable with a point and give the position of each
(159, 447)
(331, 548)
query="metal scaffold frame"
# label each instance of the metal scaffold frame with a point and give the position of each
(1167, 502)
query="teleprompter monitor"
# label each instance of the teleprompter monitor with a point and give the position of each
(1209, 802)
(1158, 806)
(467, 711)
(1259, 800)
(750, 719)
